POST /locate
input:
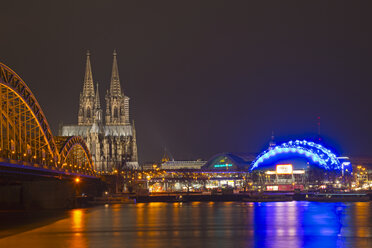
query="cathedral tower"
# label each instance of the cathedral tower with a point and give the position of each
(87, 97)
(134, 144)
(110, 137)
(97, 108)
(117, 104)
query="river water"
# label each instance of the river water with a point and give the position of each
(197, 224)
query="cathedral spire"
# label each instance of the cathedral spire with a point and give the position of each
(115, 89)
(86, 106)
(134, 145)
(97, 102)
(97, 112)
(88, 88)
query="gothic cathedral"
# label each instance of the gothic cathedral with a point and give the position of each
(112, 140)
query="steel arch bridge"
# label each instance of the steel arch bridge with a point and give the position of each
(25, 135)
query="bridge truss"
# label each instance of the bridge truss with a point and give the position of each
(25, 135)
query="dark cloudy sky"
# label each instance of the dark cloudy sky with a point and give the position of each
(204, 76)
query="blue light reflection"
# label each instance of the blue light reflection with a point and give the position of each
(301, 224)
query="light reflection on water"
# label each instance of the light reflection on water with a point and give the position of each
(198, 224)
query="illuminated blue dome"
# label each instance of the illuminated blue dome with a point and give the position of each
(315, 153)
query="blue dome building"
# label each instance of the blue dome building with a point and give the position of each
(298, 165)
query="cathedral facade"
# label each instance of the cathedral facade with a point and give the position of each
(110, 136)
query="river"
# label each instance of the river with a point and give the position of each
(197, 224)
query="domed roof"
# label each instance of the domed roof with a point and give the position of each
(229, 161)
(315, 153)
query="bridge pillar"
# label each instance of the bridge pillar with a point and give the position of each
(10, 196)
(44, 194)
(56, 194)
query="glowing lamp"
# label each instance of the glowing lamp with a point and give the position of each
(284, 169)
(270, 172)
(77, 180)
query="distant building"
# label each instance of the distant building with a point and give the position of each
(182, 165)
(237, 161)
(299, 165)
(166, 157)
(150, 166)
(110, 137)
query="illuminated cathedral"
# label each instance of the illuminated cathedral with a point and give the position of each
(110, 136)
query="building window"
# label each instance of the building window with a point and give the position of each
(88, 112)
(116, 113)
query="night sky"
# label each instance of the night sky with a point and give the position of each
(204, 76)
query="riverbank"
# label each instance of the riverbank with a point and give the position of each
(256, 197)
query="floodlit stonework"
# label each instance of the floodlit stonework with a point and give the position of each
(111, 141)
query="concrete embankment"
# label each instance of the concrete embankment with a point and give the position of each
(263, 197)
(213, 197)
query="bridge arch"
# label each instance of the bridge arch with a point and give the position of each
(75, 155)
(315, 153)
(25, 133)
